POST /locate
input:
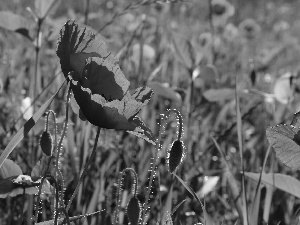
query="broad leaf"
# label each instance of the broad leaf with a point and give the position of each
(281, 181)
(285, 140)
(14, 186)
(14, 22)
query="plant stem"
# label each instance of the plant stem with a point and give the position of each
(86, 11)
(60, 142)
(92, 156)
(157, 148)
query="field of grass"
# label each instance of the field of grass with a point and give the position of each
(149, 112)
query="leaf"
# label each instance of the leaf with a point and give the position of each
(207, 218)
(285, 141)
(25, 129)
(166, 218)
(43, 7)
(14, 22)
(209, 184)
(164, 90)
(268, 203)
(9, 169)
(216, 95)
(283, 182)
(283, 88)
(14, 186)
(143, 131)
(209, 72)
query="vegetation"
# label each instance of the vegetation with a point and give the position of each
(149, 112)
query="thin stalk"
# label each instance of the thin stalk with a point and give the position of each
(55, 126)
(120, 183)
(212, 28)
(157, 148)
(240, 141)
(63, 210)
(37, 58)
(92, 157)
(86, 11)
(60, 142)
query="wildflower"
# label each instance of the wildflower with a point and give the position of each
(221, 12)
(206, 40)
(98, 84)
(231, 32)
(249, 28)
(26, 108)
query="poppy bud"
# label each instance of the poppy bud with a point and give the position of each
(46, 143)
(175, 155)
(134, 210)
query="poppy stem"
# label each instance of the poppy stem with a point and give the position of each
(91, 158)
(59, 146)
(157, 149)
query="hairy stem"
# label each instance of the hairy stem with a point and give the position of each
(157, 148)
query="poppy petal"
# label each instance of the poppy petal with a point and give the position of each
(76, 45)
(97, 111)
(142, 131)
(104, 78)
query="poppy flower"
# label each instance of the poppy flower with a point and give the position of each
(98, 84)
(249, 28)
(221, 12)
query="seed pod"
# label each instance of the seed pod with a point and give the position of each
(46, 143)
(253, 77)
(134, 211)
(175, 155)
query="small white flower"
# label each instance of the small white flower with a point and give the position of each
(26, 108)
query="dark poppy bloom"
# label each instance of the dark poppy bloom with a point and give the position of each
(249, 28)
(221, 12)
(98, 84)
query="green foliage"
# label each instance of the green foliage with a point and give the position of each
(176, 108)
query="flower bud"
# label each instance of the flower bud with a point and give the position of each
(134, 211)
(175, 155)
(46, 143)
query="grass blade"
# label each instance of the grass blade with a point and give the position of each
(240, 139)
(207, 219)
(26, 128)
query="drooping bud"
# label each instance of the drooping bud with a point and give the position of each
(175, 156)
(46, 143)
(134, 210)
